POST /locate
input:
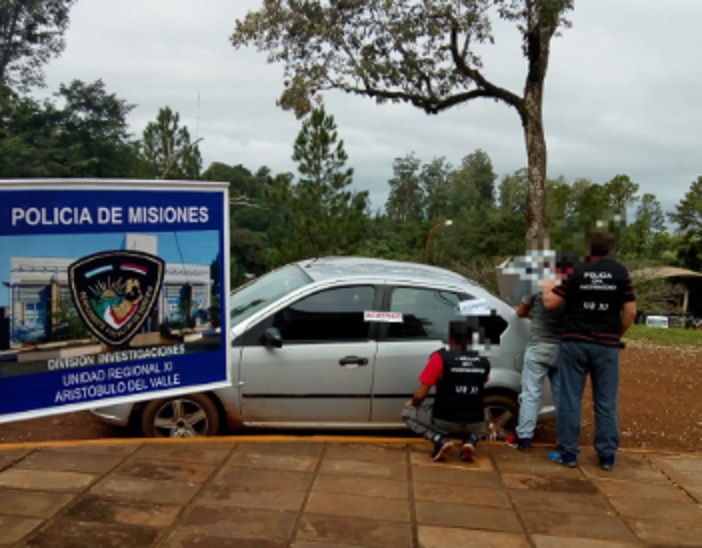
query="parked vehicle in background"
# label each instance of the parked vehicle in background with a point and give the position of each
(338, 343)
(657, 321)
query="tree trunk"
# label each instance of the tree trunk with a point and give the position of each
(532, 122)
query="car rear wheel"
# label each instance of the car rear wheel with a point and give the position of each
(180, 417)
(501, 416)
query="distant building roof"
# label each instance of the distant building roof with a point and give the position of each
(665, 272)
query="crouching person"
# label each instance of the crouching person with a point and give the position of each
(459, 375)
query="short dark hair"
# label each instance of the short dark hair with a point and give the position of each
(460, 334)
(601, 242)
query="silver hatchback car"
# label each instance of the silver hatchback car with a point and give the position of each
(309, 351)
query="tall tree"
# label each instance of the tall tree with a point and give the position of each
(406, 197)
(95, 138)
(31, 33)
(435, 179)
(688, 217)
(166, 148)
(422, 53)
(319, 214)
(81, 133)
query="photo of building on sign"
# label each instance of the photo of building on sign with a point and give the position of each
(42, 325)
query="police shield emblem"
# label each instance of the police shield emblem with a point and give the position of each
(115, 291)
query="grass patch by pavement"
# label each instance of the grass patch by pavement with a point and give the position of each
(669, 336)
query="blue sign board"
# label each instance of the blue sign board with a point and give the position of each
(111, 292)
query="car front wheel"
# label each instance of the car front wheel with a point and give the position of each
(180, 417)
(501, 416)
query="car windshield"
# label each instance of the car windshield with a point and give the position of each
(252, 297)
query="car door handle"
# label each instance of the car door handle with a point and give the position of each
(351, 360)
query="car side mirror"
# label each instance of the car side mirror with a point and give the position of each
(271, 337)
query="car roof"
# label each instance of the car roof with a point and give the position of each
(324, 268)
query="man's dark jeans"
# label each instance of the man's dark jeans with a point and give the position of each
(576, 361)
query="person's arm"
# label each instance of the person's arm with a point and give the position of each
(628, 316)
(552, 300)
(522, 310)
(419, 395)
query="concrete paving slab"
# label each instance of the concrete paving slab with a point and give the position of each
(156, 491)
(69, 534)
(377, 487)
(469, 516)
(544, 541)
(460, 494)
(165, 470)
(577, 525)
(91, 463)
(206, 453)
(109, 510)
(15, 528)
(190, 540)
(364, 468)
(45, 480)
(310, 544)
(354, 531)
(536, 467)
(33, 504)
(300, 463)
(658, 492)
(653, 509)
(455, 476)
(382, 452)
(253, 478)
(552, 484)
(101, 448)
(358, 506)
(576, 503)
(267, 499)
(300, 448)
(8, 457)
(449, 537)
(238, 523)
(644, 474)
(668, 533)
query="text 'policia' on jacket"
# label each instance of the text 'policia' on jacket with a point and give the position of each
(595, 293)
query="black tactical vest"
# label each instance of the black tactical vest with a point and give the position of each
(459, 393)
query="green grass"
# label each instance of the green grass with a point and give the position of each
(672, 335)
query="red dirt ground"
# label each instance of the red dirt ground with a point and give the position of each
(660, 406)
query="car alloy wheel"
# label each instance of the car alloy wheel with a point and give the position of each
(181, 417)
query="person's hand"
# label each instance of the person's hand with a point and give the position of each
(409, 403)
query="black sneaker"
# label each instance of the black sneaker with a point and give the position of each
(521, 444)
(607, 462)
(524, 444)
(441, 448)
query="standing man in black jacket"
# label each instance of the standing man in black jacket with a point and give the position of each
(599, 307)
(459, 375)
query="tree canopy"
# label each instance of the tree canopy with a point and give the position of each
(424, 53)
(31, 33)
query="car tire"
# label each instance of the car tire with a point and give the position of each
(184, 416)
(501, 416)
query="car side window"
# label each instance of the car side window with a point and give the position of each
(426, 313)
(332, 315)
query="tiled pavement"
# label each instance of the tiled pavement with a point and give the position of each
(318, 494)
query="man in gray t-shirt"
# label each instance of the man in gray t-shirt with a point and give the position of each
(540, 360)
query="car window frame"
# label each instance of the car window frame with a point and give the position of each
(252, 334)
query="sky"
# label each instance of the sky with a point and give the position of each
(622, 93)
